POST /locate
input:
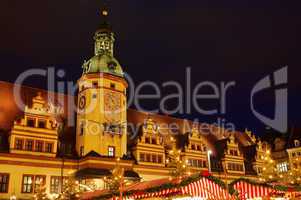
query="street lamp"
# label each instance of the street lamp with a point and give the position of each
(209, 152)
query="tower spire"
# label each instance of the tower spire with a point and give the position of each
(104, 36)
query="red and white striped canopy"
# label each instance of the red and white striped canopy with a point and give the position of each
(203, 188)
(247, 190)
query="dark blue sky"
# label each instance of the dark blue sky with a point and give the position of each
(240, 41)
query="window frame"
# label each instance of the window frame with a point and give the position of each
(81, 151)
(16, 143)
(36, 147)
(26, 144)
(23, 185)
(142, 157)
(53, 188)
(29, 124)
(33, 185)
(46, 147)
(40, 184)
(109, 152)
(7, 175)
(41, 122)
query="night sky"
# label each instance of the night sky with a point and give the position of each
(235, 40)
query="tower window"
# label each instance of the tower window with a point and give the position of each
(81, 129)
(81, 151)
(31, 122)
(42, 124)
(112, 85)
(94, 96)
(111, 151)
(95, 84)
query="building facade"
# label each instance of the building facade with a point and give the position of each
(39, 147)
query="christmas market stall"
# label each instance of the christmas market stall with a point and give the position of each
(249, 189)
(199, 185)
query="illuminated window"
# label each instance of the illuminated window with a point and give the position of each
(27, 184)
(282, 167)
(111, 151)
(48, 147)
(259, 170)
(39, 146)
(29, 145)
(55, 184)
(32, 183)
(197, 163)
(19, 144)
(39, 181)
(235, 167)
(4, 181)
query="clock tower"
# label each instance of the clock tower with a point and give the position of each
(101, 116)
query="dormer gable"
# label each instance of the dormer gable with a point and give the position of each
(36, 132)
(232, 146)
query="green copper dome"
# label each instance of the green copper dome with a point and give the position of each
(103, 63)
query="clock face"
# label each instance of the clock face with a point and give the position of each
(112, 106)
(82, 102)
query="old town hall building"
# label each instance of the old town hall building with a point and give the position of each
(37, 145)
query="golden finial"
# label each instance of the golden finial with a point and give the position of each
(104, 12)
